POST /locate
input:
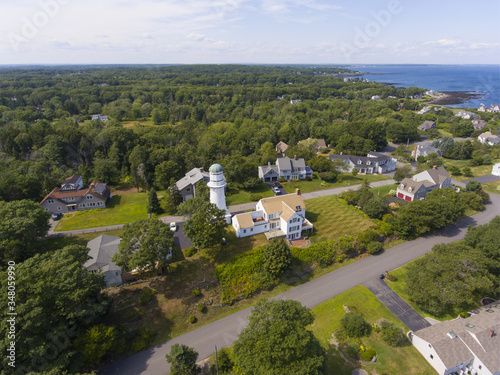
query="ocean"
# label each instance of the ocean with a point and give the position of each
(482, 79)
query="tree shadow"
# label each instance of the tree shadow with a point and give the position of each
(114, 201)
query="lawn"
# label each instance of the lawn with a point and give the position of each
(332, 219)
(235, 196)
(492, 187)
(382, 191)
(478, 171)
(346, 179)
(390, 360)
(122, 208)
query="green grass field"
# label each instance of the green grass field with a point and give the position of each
(481, 170)
(400, 360)
(332, 219)
(234, 196)
(121, 209)
(316, 184)
(492, 187)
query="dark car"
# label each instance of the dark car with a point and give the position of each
(277, 184)
(56, 216)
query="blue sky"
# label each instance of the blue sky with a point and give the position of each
(249, 31)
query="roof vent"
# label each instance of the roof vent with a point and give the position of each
(492, 333)
(451, 335)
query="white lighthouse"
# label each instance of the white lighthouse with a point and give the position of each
(217, 186)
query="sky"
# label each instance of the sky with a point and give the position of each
(249, 31)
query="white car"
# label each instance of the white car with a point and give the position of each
(173, 226)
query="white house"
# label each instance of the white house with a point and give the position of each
(286, 168)
(463, 346)
(295, 101)
(496, 170)
(466, 115)
(101, 252)
(482, 108)
(376, 97)
(419, 185)
(281, 216)
(374, 162)
(488, 139)
(99, 118)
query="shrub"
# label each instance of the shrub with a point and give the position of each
(193, 319)
(389, 276)
(467, 172)
(340, 258)
(474, 186)
(392, 334)
(368, 354)
(325, 150)
(367, 236)
(374, 247)
(463, 315)
(328, 176)
(190, 251)
(196, 292)
(146, 296)
(281, 179)
(352, 351)
(375, 208)
(142, 339)
(355, 325)
(277, 258)
(201, 308)
(375, 328)
(224, 362)
(255, 197)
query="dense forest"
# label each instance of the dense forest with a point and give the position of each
(166, 120)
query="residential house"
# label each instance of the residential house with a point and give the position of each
(101, 252)
(479, 124)
(419, 185)
(286, 168)
(281, 148)
(416, 96)
(482, 108)
(99, 118)
(295, 101)
(72, 196)
(494, 108)
(424, 110)
(431, 93)
(374, 162)
(488, 139)
(496, 170)
(466, 115)
(376, 97)
(427, 125)
(318, 143)
(424, 150)
(463, 346)
(281, 216)
(187, 184)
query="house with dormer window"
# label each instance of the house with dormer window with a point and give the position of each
(281, 216)
(286, 168)
(73, 196)
(418, 186)
(374, 162)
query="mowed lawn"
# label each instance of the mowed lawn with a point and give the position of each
(332, 219)
(492, 187)
(346, 179)
(478, 171)
(121, 209)
(234, 196)
(390, 360)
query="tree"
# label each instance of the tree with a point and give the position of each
(207, 226)
(401, 173)
(182, 360)
(355, 325)
(355, 172)
(392, 334)
(375, 208)
(277, 257)
(145, 245)
(153, 202)
(164, 172)
(56, 297)
(467, 172)
(22, 226)
(105, 170)
(474, 186)
(277, 342)
(97, 342)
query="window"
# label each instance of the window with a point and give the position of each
(188, 189)
(432, 357)
(89, 196)
(480, 367)
(251, 229)
(50, 201)
(244, 230)
(430, 346)
(59, 208)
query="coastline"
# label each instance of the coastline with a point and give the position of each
(455, 97)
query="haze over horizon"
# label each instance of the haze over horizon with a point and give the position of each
(248, 31)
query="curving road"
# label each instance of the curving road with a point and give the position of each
(224, 331)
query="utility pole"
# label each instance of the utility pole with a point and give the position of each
(216, 364)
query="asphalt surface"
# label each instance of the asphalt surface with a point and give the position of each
(224, 331)
(485, 179)
(395, 303)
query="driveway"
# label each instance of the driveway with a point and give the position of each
(485, 179)
(395, 303)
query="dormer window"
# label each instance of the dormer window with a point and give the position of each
(359, 162)
(402, 186)
(50, 201)
(368, 162)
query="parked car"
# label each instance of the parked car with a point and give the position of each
(56, 216)
(276, 190)
(277, 184)
(173, 226)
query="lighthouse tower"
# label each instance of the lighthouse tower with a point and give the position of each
(217, 185)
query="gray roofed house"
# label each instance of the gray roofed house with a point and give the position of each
(374, 162)
(101, 252)
(286, 168)
(427, 125)
(471, 345)
(488, 139)
(281, 148)
(425, 150)
(187, 184)
(479, 124)
(419, 185)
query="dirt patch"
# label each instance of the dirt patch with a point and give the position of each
(301, 242)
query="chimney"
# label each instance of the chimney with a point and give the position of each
(268, 163)
(297, 191)
(294, 157)
(492, 333)
(340, 152)
(434, 167)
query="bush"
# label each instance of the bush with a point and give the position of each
(374, 247)
(196, 292)
(255, 197)
(193, 319)
(201, 308)
(325, 150)
(392, 334)
(368, 354)
(389, 276)
(190, 251)
(474, 186)
(328, 176)
(352, 351)
(224, 362)
(355, 325)
(375, 328)
(308, 178)
(277, 258)
(142, 339)
(146, 296)
(467, 172)
(281, 179)
(375, 208)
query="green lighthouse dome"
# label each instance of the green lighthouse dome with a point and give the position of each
(216, 168)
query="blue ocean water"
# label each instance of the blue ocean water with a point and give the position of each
(483, 79)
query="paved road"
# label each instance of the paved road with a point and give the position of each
(224, 331)
(484, 179)
(395, 303)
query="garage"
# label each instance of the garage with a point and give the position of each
(401, 195)
(408, 198)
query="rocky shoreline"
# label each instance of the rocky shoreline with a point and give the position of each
(455, 97)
